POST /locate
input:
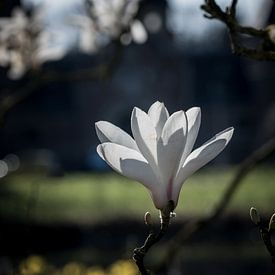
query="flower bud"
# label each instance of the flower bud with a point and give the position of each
(173, 214)
(255, 217)
(272, 223)
(148, 219)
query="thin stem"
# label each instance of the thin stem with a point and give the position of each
(153, 237)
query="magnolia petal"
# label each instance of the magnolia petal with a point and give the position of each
(200, 157)
(128, 162)
(145, 136)
(170, 147)
(193, 120)
(159, 115)
(134, 168)
(99, 150)
(108, 132)
(176, 121)
(159, 196)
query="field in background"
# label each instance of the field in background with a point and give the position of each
(87, 198)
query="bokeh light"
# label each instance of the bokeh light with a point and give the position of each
(4, 169)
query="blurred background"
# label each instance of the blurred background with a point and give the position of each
(66, 65)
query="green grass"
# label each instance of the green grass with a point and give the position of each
(88, 198)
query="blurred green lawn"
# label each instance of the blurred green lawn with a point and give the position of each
(88, 197)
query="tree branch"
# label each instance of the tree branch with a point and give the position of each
(265, 48)
(266, 232)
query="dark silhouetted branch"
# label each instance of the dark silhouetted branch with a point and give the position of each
(266, 232)
(265, 48)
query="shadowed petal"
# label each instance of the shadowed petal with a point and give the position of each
(108, 132)
(158, 114)
(171, 146)
(145, 136)
(128, 162)
(142, 172)
(201, 157)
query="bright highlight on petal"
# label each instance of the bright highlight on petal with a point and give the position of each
(127, 162)
(145, 136)
(194, 121)
(160, 156)
(108, 132)
(158, 114)
(171, 146)
(201, 156)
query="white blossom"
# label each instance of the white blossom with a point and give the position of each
(160, 155)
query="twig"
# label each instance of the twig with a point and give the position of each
(194, 227)
(140, 252)
(228, 17)
(266, 232)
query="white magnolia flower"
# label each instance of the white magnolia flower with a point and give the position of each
(160, 156)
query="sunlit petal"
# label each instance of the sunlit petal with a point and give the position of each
(108, 132)
(131, 164)
(193, 120)
(128, 162)
(158, 114)
(145, 136)
(171, 146)
(201, 156)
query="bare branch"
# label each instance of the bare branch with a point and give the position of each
(266, 232)
(236, 32)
